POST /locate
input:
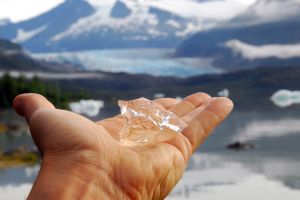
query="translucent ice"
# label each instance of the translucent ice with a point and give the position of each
(148, 122)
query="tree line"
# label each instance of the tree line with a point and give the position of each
(10, 87)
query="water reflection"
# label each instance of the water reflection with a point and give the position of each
(270, 171)
(15, 183)
(268, 129)
(217, 176)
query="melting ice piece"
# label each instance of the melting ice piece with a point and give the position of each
(148, 122)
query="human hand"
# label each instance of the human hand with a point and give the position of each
(85, 160)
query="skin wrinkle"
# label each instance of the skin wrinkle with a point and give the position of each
(182, 108)
(190, 136)
(186, 150)
(153, 169)
(119, 181)
(167, 103)
(198, 99)
(169, 172)
(207, 127)
(102, 172)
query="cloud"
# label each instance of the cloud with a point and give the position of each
(17, 10)
(252, 52)
(268, 129)
(285, 98)
(269, 10)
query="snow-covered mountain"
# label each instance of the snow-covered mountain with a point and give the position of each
(98, 24)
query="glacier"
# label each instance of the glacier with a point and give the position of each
(156, 62)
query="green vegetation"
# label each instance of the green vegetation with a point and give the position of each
(11, 87)
(19, 156)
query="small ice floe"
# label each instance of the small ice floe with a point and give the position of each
(285, 98)
(90, 108)
(224, 93)
(179, 98)
(159, 95)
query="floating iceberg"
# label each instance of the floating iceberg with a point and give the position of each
(285, 98)
(90, 108)
(224, 93)
(159, 95)
(179, 98)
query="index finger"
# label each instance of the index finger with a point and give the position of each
(202, 120)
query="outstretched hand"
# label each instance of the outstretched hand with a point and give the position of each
(85, 160)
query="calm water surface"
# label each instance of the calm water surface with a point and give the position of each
(270, 171)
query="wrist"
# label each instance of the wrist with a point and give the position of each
(71, 179)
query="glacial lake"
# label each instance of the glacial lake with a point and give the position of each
(156, 62)
(269, 171)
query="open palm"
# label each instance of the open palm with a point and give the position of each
(81, 154)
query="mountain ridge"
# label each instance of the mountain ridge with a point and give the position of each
(229, 46)
(14, 58)
(116, 24)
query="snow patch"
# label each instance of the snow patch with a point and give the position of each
(173, 23)
(101, 20)
(23, 36)
(252, 52)
(198, 15)
(101, 3)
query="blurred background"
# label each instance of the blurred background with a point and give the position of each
(84, 55)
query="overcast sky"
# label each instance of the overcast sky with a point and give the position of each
(17, 10)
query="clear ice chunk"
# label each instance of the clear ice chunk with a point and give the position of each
(148, 122)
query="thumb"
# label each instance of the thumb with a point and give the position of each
(27, 104)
